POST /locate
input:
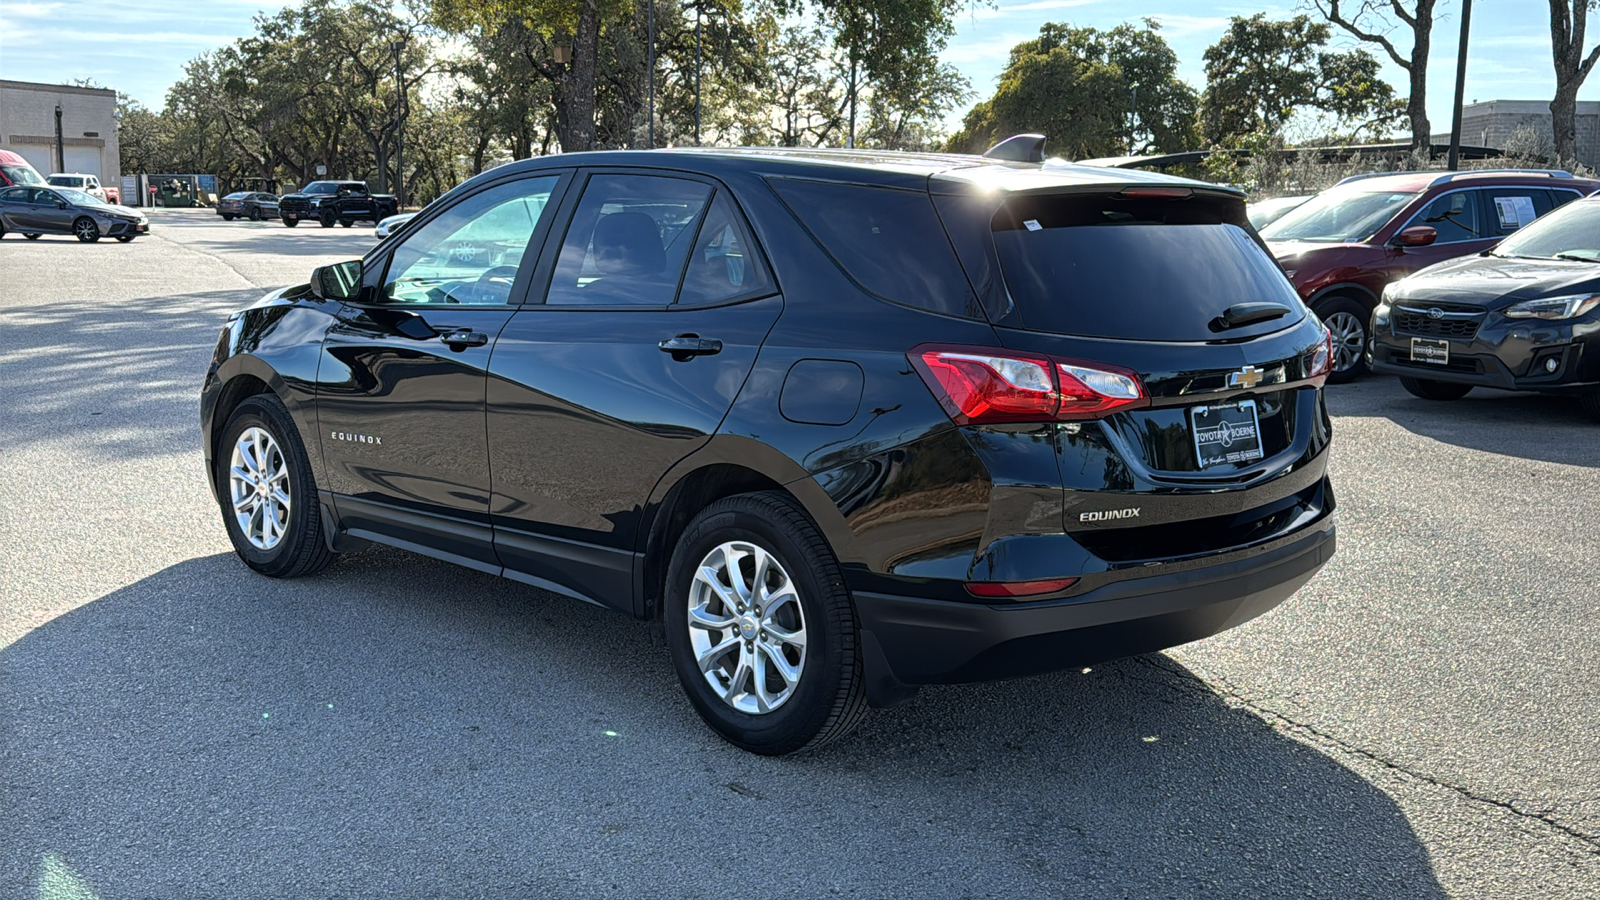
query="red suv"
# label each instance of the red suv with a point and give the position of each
(1343, 246)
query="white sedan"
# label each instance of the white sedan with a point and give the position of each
(392, 224)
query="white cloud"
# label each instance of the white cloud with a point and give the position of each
(1177, 26)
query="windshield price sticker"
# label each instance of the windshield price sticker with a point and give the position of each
(1226, 433)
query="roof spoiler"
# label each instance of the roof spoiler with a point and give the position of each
(1024, 148)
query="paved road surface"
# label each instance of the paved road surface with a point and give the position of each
(1421, 721)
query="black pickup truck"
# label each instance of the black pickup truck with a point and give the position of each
(328, 202)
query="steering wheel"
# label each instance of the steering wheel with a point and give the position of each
(496, 276)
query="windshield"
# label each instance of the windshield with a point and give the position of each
(78, 198)
(1338, 216)
(1571, 231)
(322, 187)
(21, 175)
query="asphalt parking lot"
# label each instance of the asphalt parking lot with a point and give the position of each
(1421, 721)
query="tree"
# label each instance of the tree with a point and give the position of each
(1370, 22)
(1262, 71)
(1568, 19)
(1078, 85)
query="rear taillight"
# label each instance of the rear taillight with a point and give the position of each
(1321, 363)
(978, 385)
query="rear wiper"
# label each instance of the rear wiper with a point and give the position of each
(1575, 258)
(1248, 314)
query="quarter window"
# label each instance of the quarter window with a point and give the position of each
(15, 195)
(628, 241)
(471, 252)
(724, 264)
(1509, 209)
(1454, 216)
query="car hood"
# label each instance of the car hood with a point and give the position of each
(1493, 281)
(112, 208)
(1289, 251)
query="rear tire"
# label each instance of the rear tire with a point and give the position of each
(1347, 320)
(290, 223)
(85, 229)
(763, 550)
(227, 218)
(31, 235)
(1434, 390)
(345, 223)
(255, 213)
(266, 492)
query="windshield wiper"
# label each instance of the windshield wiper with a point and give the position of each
(1575, 258)
(1247, 314)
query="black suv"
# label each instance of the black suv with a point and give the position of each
(328, 202)
(847, 423)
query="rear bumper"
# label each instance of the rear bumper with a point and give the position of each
(909, 641)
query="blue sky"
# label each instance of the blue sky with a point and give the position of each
(139, 48)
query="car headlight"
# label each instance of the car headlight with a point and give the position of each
(1380, 314)
(1554, 308)
(315, 203)
(1390, 290)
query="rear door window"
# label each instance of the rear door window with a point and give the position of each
(628, 241)
(1112, 267)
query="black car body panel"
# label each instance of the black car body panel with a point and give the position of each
(340, 201)
(570, 447)
(1463, 302)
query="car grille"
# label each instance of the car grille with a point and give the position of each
(1452, 321)
(293, 204)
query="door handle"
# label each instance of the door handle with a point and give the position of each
(464, 338)
(687, 346)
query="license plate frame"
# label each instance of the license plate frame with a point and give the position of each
(1430, 352)
(1226, 433)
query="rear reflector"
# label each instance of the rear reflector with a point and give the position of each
(1006, 590)
(984, 385)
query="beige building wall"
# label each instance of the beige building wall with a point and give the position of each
(88, 128)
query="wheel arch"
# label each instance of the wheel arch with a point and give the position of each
(1349, 289)
(726, 466)
(243, 377)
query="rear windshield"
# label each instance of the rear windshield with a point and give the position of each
(1155, 270)
(239, 196)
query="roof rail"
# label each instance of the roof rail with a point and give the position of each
(1447, 177)
(1027, 148)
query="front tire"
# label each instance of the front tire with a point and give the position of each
(1591, 404)
(761, 628)
(255, 213)
(31, 235)
(1434, 390)
(326, 219)
(86, 230)
(290, 223)
(125, 238)
(227, 218)
(1346, 319)
(267, 494)
(345, 223)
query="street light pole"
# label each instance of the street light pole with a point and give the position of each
(61, 151)
(1454, 161)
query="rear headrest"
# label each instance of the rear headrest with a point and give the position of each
(628, 243)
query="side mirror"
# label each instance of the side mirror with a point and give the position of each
(1416, 236)
(340, 281)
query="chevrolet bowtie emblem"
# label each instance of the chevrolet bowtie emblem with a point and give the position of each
(1247, 377)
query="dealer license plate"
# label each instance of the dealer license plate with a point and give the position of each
(1436, 353)
(1226, 433)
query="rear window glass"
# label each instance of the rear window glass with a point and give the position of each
(1156, 270)
(889, 241)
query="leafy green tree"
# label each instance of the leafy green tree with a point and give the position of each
(1092, 93)
(1263, 70)
(1374, 21)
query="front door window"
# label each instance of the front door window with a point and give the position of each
(470, 253)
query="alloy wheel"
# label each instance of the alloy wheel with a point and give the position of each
(258, 486)
(86, 230)
(1349, 339)
(746, 627)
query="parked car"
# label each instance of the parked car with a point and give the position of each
(14, 170)
(1524, 316)
(846, 423)
(392, 224)
(327, 202)
(1343, 246)
(252, 205)
(1264, 212)
(53, 210)
(89, 184)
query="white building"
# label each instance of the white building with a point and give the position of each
(88, 134)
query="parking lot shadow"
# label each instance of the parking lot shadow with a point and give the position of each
(1528, 426)
(122, 376)
(397, 727)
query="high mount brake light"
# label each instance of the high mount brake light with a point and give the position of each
(1170, 193)
(983, 385)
